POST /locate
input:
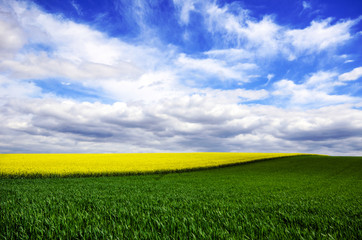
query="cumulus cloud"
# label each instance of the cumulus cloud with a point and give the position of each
(175, 125)
(13, 89)
(12, 37)
(321, 128)
(299, 95)
(77, 53)
(124, 71)
(320, 35)
(161, 97)
(316, 91)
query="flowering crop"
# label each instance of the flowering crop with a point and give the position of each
(123, 163)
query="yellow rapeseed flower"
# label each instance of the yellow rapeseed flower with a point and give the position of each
(122, 163)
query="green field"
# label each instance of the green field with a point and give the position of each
(304, 197)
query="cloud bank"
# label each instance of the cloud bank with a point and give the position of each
(217, 78)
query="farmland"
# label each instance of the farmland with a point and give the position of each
(300, 197)
(63, 165)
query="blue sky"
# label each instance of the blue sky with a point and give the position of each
(181, 76)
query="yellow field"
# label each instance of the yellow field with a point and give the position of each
(108, 164)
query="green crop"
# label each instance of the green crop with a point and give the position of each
(305, 197)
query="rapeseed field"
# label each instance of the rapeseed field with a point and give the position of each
(25, 165)
(303, 197)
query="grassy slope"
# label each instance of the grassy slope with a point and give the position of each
(310, 196)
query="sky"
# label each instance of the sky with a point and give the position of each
(114, 76)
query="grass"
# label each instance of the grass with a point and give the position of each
(304, 197)
(64, 165)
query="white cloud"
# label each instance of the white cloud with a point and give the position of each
(195, 123)
(12, 37)
(122, 71)
(81, 54)
(10, 89)
(270, 76)
(186, 8)
(260, 36)
(150, 86)
(42, 66)
(352, 75)
(265, 38)
(320, 35)
(216, 67)
(154, 110)
(77, 43)
(231, 54)
(322, 81)
(306, 5)
(315, 92)
(233, 95)
(72, 41)
(77, 7)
